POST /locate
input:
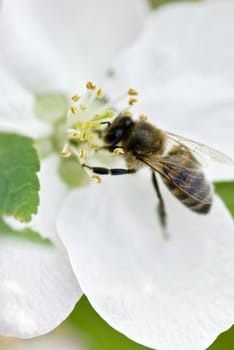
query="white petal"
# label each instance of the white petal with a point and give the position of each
(38, 288)
(25, 50)
(60, 339)
(185, 72)
(179, 37)
(175, 294)
(76, 38)
(17, 109)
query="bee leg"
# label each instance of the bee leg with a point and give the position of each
(161, 206)
(106, 123)
(106, 171)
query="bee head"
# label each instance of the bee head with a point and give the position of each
(115, 131)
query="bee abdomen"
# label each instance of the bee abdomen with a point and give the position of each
(190, 188)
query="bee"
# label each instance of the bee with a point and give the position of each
(173, 157)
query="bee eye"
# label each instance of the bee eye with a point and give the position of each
(114, 135)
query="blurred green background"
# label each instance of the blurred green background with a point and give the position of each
(89, 329)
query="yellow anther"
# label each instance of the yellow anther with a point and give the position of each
(100, 93)
(73, 109)
(132, 101)
(117, 151)
(90, 85)
(65, 154)
(82, 154)
(83, 107)
(132, 92)
(97, 178)
(83, 136)
(143, 117)
(93, 146)
(76, 134)
(75, 98)
(127, 113)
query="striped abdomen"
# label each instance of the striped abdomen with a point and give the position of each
(189, 185)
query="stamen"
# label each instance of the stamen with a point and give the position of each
(75, 98)
(65, 154)
(132, 92)
(82, 154)
(117, 151)
(100, 93)
(97, 178)
(76, 134)
(108, 114)
(127, 113)
(93, 146)
(83, 136)
(132, 101)
(83, 107)
(143, 117)
(90, 85)
(73, 109)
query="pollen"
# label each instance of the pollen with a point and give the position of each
(143, 117)
(83, 136)
(90, 85)
(75, 98)
(132, 92)
(65, 154)
(128, 113)
(83, 107)
(73, 109)
(117, 151)
(132, 101)
(100, 93)
(82, 154)
(97, 178)
(76, 134)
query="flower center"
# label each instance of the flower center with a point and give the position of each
(87, 117)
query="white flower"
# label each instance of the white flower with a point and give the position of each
(175, 294)
(47, 45)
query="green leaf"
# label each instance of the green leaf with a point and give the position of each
(26, 233)
(226, 191)
(19, 184)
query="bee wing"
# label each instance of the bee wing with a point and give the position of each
(203, 152)
(184, 174)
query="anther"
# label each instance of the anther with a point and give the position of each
(97, 178)
(76, 134)
(83, 107)
(75, 98)
(83, 136)
(93, 146)
(143, 117)
(100, 93)
(127, 113)
(132, 101)
(73, 109)
(90, 85)
(65, 154)
(132, 92)
(117, 151)
(82, 154)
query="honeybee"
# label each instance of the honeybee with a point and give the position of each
(174, 158)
